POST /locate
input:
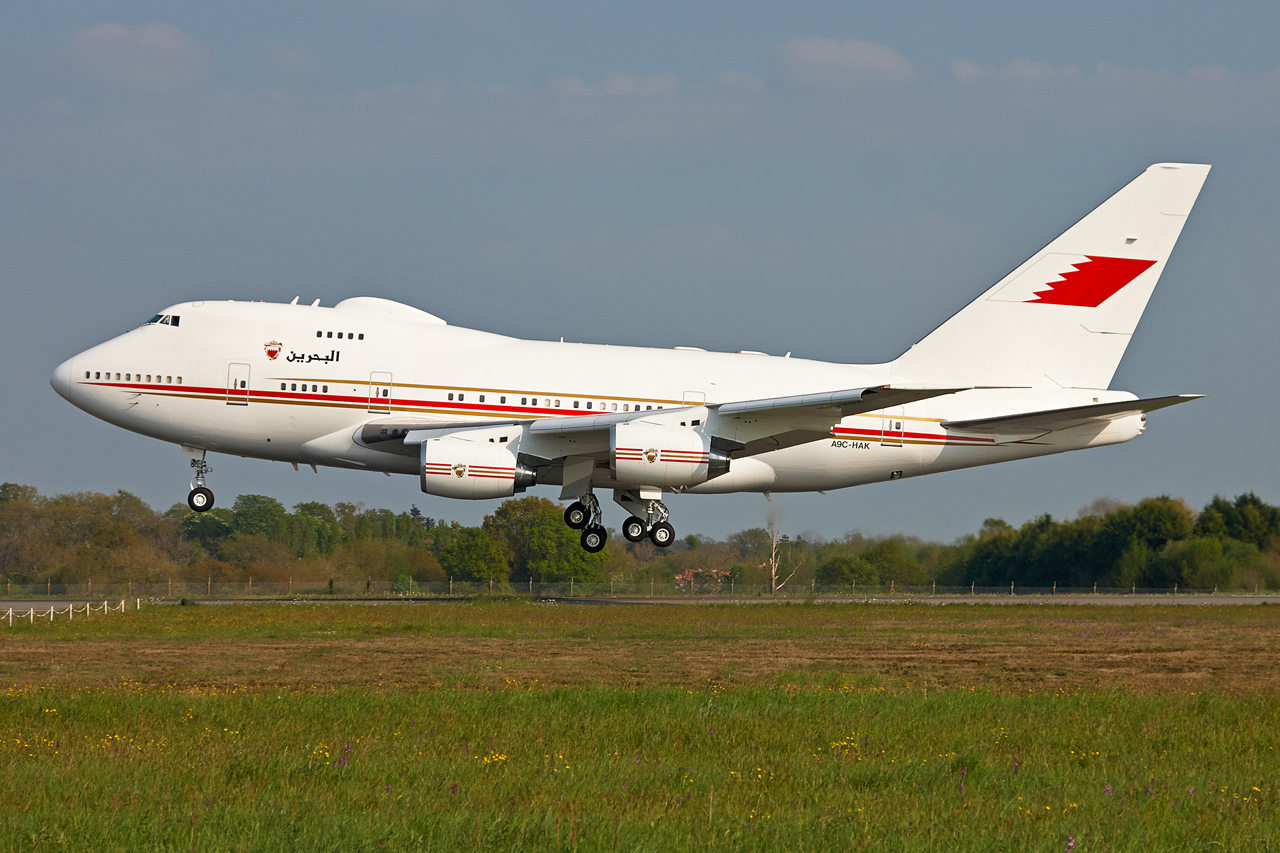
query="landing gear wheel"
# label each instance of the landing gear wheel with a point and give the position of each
(594, 539)
(577, 515)
(634, 529)
(662, 534)
(200, 499)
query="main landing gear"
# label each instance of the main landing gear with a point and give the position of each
(584, 514)
(200, 498)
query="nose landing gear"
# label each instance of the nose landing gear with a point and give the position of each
(200, 498)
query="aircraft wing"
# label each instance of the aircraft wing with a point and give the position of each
(1032, 424)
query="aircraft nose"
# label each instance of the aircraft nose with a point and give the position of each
(61, 379)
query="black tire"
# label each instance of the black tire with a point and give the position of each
(594, 538)
(200, 499)
(662, 534)
(634, 529)
(577, 515)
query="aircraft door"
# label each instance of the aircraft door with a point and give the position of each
(380, 392)
(891, 427)
(238, 385)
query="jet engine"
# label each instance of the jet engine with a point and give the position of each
(456, 467)
(649, 454)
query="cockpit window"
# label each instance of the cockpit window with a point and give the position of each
(153, 320)
(163, 320)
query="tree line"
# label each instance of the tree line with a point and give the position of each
(1157, 542)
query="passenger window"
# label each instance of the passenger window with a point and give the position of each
(295, 387)
(524, 401)
(117, 377)
(461, 396)
(615, 408)
(325, 389)
(244, 384)
(86, 375)
(588, 404)
(502, 399)
(386, 393)
(127, 377)
(319, 334)
(179, 380)
(313, 388)
(362, 336)
(450, 395)
(98, 375)
(339, 335)
(648, 408)
(329, 335)
(575, 404)
(557, 404)
(283, 387)
(351, 336)
(481, 398)
(535, 401)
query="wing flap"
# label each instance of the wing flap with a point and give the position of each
(835, 404)
(1038, 423)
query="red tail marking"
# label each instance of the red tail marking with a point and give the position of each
(1090, 283)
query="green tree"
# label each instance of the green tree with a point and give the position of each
(844, 571)
(259, 515)
(471, 554)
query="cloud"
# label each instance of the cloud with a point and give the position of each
(154, 58)
(828, 62)
(616, 83)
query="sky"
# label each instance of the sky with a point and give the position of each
(815, 178)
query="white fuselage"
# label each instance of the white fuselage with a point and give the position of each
(297, 383)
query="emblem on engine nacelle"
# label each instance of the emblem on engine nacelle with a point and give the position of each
(459, 470)
(651, 455)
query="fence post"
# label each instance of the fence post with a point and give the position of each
(651, 587)
(1095, 587)
(250, 583)
(451, 586)
(935, 588)
(1134, 591)
(70, 614)
(491, 586)
(130, 593)
(291, 584)
(170, 595)
(972, 584)
(1175, 589)
(1055, 588)
(610, 586)
(531, 586)
(209, 587)
(1011, 587)
(48, 586)
(33, 616)
(571, 587)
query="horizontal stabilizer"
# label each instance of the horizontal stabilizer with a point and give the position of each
(1056, 419)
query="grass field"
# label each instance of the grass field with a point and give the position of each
(523, 726)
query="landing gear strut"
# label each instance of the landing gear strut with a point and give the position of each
(584, 514)
(652, 523)
(200, 498)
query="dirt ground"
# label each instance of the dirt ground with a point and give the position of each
(1146, 650)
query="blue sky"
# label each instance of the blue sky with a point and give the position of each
(805, 177)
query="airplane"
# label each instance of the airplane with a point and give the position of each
(371, 384)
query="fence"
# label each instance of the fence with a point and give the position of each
(382, 590)
(88, 609)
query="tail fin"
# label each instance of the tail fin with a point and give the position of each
(1064, 318)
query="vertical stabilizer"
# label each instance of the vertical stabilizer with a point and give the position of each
(1065, 316)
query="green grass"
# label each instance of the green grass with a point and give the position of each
(810, 758)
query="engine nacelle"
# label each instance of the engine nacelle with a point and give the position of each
(648, 454)
(455, 467)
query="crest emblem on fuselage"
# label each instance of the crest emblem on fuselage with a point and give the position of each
(459, 470)
(651, 455)
(273, 349)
